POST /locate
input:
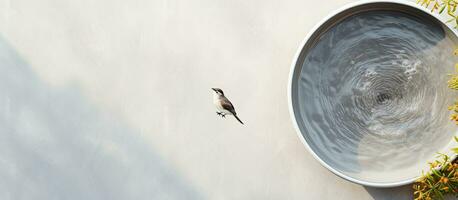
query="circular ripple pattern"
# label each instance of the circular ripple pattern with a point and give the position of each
(373, 95)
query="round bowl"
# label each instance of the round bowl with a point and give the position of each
(368, 91)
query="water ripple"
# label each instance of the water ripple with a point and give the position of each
(373, 95)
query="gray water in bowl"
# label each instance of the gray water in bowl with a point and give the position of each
(373, 97)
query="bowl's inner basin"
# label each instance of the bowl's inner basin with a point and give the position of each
(372, 95)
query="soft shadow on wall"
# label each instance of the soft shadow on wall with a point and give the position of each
(55, 144)
(402, 192)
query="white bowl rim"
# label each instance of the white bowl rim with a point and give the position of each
(291, 76)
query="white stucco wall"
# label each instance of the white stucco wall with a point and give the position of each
(111, 99)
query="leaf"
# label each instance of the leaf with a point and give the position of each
(442, 9)
(436, 172)
(456, 138)
(455, 150)
(450, 173)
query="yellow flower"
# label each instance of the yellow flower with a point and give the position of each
(443, 180)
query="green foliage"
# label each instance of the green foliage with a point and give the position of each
(442, 5)
(441, 180)
(453, 81)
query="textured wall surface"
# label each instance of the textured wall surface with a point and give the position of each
(111, 99)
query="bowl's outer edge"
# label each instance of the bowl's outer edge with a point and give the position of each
(291, 81)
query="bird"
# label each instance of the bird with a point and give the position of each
(223, 105)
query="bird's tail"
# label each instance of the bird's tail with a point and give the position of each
(238, 119)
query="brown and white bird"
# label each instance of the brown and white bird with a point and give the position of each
(223, 105)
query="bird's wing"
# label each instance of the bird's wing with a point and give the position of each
(226, 104)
